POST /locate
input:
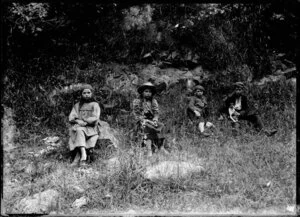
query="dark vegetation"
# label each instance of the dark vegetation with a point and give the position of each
(49, 46)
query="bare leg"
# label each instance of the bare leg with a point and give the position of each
(148, 144)
(201, 128)
(83, 154)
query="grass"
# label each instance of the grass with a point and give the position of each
(236, 175)
(247, 173)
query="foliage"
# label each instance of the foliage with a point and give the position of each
(29, 18)
(216, 36)
(77, 40)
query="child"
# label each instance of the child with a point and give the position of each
(83, 119)
(197, 109)
(236, 106)
(146, 113)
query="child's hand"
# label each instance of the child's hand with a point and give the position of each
(81, 123)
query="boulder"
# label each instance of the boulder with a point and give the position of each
(38, 203)
(108, 133)
(80, 202)
(171, 169)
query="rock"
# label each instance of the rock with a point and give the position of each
(291, 208)
(39, 203)
(9, 130)
(108, 133)
(31, 168)
(270, 78)
(77, 188)
(51, 140)
(80, 202)
(171, 169)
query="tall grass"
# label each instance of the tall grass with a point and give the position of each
(245, 173)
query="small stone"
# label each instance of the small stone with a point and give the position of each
(78, 189)
(79, 202)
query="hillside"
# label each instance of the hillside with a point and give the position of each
(54, 48)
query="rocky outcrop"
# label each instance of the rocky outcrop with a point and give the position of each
(106, 132)
(39, 203)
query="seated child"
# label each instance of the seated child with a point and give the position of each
(197, 109)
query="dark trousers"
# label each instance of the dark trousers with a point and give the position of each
(254, 119)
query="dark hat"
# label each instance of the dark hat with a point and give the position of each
(239, 84)
(147, 85)
(199, 87)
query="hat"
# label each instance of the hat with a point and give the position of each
(147, 85)
(198, 87)
(239, 84)
(87, 86)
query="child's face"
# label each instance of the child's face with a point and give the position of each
(147, 93)
(198, 92)
(86, 93)
(239, 90)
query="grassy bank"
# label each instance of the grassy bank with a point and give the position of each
(247, 173)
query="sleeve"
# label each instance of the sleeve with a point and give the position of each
(155, 109)
(95, 115)
(73, 115)
(136, 110)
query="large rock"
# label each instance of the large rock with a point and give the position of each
(106, 132)
(80, 202)
(171, 169)
(38, 203)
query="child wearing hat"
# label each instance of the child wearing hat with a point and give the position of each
(83, 131)
(197, 109)
(236, 108)
(146, 114)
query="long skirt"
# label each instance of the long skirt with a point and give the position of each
(82, 137)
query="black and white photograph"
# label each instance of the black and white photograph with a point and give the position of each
(149, 108)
